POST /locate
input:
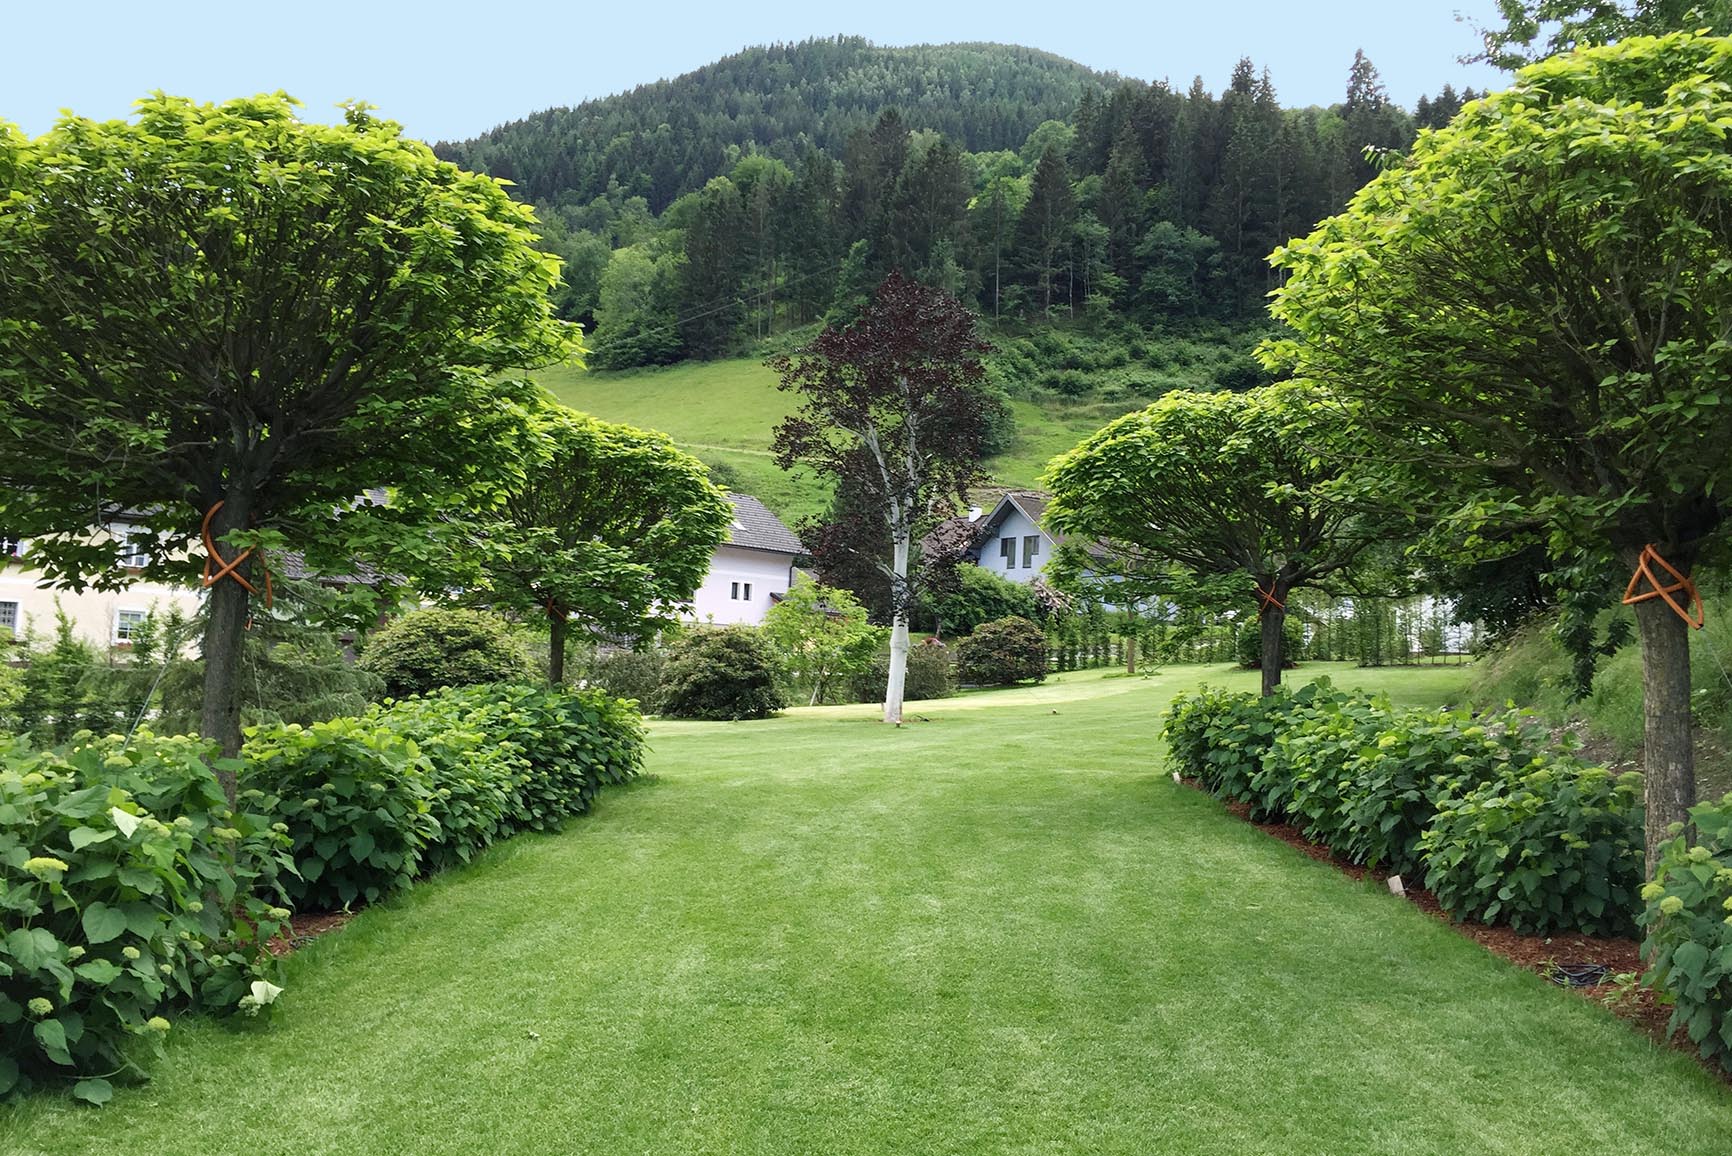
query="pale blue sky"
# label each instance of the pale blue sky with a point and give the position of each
(449, 70)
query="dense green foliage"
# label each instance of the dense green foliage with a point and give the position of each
(724, 673)
(1445, 309)
(1505, 825)
(262, 318)
(609, 528)
(978, 596)
(1689, 929)
(413, 786)
(774, 187)
(1550, 844)
(931, 674)
(819, 636)
(1003, 652)
(129, 892)
(424, 650)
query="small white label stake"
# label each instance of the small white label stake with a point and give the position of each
(1395, 887)
(1175, 776)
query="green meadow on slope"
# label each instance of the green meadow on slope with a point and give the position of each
(724, 412)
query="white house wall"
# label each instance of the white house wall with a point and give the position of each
(767, 573)
(1015, 525)
(94, 612)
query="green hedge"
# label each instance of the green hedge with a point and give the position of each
(1688, 919)
(1504, 825)
(417, 785)
(130, 893)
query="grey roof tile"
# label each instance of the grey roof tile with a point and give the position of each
(755, 528)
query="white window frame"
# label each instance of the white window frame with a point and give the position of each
(1030, 550)
(126, 639)
(734, 593)
(131, 558)
(17, 613)
(746, 592)
(1007, 551)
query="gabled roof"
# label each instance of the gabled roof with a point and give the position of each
(755, 528)
(1032, 504)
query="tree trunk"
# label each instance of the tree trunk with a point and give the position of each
(1130, 653)
(1668, 756)
(898, 630)
(224, 633)
(1272, 622)
(556, 624)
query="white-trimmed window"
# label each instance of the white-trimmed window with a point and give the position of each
(1007, 551)
(741, 592)
(132, 556)
(126, 624)
(1030, 551)
(9, 616)
(11, 546)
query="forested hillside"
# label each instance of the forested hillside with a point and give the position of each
(773, 189)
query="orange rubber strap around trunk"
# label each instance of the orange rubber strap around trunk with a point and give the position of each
(1679, 584)
(216, 567)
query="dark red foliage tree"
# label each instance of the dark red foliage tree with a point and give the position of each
(891, 409)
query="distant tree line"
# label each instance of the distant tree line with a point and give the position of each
(760, 194)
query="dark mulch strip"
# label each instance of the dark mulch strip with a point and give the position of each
(1541, 954)
(304, 927)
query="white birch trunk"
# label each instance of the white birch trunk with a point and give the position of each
(898, 630)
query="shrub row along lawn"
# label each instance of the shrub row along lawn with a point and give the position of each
(1003, 929)
(131, 892)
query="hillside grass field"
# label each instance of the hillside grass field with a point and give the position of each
(723, 412)
(1000, 929)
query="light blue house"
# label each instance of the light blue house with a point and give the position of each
(1009, 539)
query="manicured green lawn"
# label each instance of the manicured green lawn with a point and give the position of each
(1002, 929)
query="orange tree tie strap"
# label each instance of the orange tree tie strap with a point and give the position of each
(1267, 598)
(1679, 584)
(216, 567)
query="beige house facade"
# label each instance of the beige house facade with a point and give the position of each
(103, 618)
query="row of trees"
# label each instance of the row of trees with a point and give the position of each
(1142, 202)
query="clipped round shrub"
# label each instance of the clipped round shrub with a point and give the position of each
(981, 596)
(425, 650)
(1002, 652)
(721, 673)
(629, 674)
(931, 674)
(132, 892)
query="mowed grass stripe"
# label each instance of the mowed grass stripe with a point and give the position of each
(1001, 930)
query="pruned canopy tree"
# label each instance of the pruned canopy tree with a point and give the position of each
(1533, 309)
(223, 311)
(1531, 30)
(609, 527)
(1238, 499)
(891, 408)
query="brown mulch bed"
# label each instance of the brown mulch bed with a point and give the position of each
(306, 927)
(1541, 954)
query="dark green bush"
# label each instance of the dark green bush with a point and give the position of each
(1299, 775)
(982, 596)
(931, 674)
(1688, 920)
(632, 674)
(1002, 652)
(1550, 845)
(358, 803)
(130, 892)
(722, 673)
(428, 649)
(1248, 648)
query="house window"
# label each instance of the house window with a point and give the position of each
(742, 592)
(1007, 551)
(747, 596)
(11, 546)
(9, 616)
(735, 593)
(132, 556)
(126, 624)
(1030, 550)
